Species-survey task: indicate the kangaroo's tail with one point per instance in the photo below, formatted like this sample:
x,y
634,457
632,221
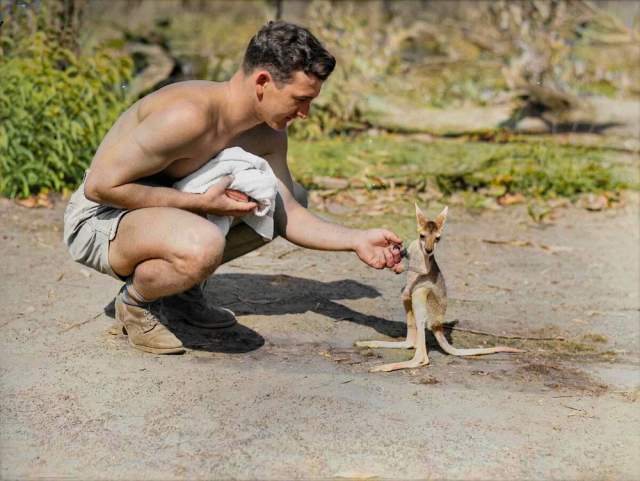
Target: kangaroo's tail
x,y
438,332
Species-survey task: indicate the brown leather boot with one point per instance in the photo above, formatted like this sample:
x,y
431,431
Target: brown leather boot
x,y
144,329
191,307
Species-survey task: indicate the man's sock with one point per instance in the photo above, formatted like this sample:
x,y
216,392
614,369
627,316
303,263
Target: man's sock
x,y
131,296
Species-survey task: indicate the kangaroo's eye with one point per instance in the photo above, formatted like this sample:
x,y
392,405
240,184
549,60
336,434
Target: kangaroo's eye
x,y
437,239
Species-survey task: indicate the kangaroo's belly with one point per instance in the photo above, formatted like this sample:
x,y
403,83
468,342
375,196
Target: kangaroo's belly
x,y
429,304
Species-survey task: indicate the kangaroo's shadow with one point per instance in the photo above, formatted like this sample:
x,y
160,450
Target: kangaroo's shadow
x,y
273,295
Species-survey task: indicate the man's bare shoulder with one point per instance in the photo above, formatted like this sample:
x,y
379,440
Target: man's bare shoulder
x,y
190,104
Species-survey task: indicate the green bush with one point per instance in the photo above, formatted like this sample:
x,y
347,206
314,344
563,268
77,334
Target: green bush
x,y
55,108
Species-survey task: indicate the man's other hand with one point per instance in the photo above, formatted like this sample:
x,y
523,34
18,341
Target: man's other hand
x,y
375,247
216,200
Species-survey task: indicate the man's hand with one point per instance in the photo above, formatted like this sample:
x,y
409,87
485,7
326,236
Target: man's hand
x,y
376,248
217,201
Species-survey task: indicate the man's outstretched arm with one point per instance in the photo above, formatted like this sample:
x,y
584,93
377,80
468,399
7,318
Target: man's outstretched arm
x,y
373,246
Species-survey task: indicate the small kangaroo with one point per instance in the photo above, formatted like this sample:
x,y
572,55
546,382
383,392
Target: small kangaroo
x,y
425,300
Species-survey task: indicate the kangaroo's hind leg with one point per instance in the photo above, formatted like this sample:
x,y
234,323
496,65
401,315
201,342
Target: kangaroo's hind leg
x,y
419,310
409,342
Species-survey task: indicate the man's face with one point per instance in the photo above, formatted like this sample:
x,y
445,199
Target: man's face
x,y
279,106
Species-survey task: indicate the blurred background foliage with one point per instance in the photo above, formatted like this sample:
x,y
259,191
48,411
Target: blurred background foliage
x,y
69,67
55,103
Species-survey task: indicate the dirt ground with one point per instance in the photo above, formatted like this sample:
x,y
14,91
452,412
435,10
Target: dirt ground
x,y
286,395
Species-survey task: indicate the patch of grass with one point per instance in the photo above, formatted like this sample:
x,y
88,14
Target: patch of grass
x,y
599,87
595,338
387,173
533,169
470,340
583,348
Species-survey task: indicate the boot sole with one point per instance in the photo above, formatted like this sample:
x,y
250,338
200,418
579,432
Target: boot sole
x,y
153,350
210,326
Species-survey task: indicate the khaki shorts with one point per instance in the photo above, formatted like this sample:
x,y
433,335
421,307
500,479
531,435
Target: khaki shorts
x,y
90,227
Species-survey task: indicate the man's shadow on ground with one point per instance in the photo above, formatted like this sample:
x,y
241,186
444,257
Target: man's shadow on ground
x,y
272,295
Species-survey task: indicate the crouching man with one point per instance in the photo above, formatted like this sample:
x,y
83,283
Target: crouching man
x,y
126,220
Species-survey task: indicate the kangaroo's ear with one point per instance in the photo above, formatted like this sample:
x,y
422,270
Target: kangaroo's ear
x,y
442,218
421,219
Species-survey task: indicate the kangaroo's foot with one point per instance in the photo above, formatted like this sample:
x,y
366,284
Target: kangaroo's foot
x,y
417,361
407,344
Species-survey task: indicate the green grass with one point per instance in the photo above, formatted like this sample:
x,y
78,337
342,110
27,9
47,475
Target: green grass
x,y
542,170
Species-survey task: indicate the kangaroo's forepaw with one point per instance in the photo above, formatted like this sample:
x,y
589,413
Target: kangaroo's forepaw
x,y
399,365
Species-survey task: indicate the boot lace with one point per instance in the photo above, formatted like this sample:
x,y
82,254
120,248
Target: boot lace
x,y
151,318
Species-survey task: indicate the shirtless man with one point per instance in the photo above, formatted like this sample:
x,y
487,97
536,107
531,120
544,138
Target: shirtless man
x,y
126,221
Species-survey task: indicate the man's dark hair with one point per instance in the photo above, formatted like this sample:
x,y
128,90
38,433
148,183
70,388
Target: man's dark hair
x,y
283,48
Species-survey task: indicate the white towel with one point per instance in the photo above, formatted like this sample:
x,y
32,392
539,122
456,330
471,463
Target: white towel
x,y
252,175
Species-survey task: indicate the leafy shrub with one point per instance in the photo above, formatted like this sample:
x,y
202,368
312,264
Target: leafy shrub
x,y
55,108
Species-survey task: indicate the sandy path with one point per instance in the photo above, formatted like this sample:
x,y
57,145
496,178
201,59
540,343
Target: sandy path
x,y
284,395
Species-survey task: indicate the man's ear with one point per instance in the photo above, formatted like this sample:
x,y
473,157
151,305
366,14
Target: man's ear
x,y
262,79
421,219
442,217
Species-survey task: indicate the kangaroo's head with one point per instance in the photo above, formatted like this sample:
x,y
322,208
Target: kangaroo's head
x,y
430,230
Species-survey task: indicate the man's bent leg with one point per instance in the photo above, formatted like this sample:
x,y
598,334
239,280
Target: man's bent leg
x,y
191,306
164,251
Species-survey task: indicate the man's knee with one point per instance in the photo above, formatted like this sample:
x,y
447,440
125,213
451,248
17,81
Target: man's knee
x,y
201,254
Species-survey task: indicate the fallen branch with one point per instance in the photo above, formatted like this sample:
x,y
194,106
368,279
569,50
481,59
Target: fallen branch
x,y
550,249
79,324
159,67
579,412
508,289
515,242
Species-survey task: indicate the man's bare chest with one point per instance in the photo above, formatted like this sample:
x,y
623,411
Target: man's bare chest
x,y
194,158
